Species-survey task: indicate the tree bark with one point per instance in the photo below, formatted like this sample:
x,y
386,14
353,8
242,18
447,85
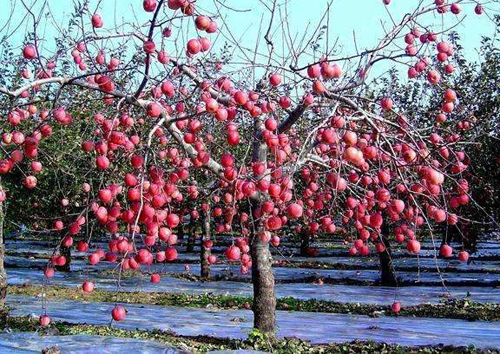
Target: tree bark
x,y
264,299
204,251
3,274
180,232
387,272
304,243
191,236
470,235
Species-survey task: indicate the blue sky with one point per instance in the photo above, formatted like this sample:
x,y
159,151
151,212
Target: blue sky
x,y
364,18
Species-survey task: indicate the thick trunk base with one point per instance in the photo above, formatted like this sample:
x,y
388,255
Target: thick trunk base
x,y
264,300
387,272
387,275
305,243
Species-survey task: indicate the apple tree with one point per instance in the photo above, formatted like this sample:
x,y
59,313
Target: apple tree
x,y
257,139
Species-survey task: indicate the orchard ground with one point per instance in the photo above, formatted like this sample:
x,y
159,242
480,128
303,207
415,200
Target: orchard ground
x,y
346,308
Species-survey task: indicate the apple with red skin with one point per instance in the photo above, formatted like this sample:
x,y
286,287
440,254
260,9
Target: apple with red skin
x,y
194,46
67,241
314,71
58,225
30,52
88,287
233,253
413,246
275,79
455,8
155,278
386,103
102,163
149,5
170,254
396,307
295,211
202,23
446,251
463,256
94,258
44,320
97,21
82,246
30,182
49,272
149,47
119,313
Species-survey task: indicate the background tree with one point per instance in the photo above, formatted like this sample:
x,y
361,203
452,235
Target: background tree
x,y
476,85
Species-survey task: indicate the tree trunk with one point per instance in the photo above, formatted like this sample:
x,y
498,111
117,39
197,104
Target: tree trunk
x,y
191,236
470,235
304,243
205,252
387,271
3,274
264,299
66,252
180,232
